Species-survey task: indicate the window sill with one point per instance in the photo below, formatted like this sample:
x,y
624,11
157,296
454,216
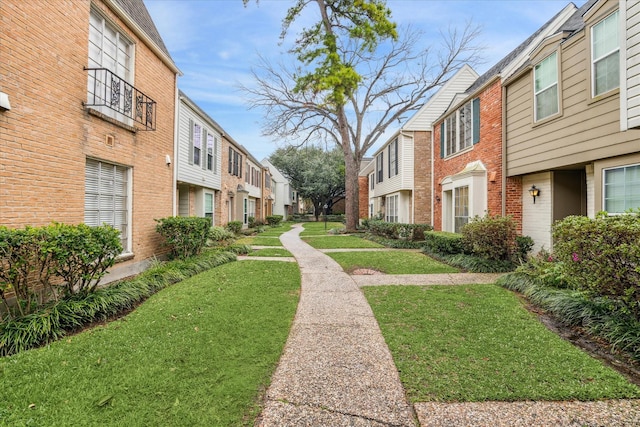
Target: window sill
x,y
546,120
595,99
458,153
111,120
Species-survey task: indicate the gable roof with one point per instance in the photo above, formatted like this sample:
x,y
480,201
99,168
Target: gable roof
x,y
138,15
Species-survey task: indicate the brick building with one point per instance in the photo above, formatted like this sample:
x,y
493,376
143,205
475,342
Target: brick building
x,y
468,167
89,134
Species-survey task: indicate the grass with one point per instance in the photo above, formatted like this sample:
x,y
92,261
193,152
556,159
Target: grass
x,y
391,262
478,343
340,242
271,252
197,353
318,228
277,230
260,241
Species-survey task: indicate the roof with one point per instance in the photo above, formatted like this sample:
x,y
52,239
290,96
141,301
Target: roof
x,y
140,15
576,22
500,65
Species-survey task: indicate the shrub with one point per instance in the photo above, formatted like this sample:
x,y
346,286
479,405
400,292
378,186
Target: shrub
x,y
394,243
602,256
274,220
443,242
234,226
185,236
220,235
524,245
251,221
40,263
396,230
491,237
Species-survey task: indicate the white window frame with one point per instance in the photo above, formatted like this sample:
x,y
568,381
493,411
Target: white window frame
x,y
393,158
372,181
120,61
104,204
197,143
209,209
539,92
459,129
605,55
380,167
212,143
391,208
460,211
606,186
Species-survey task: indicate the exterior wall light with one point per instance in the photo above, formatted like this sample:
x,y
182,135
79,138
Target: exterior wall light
x,y
534,192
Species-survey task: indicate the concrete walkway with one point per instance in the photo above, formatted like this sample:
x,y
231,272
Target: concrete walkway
x,y
336,369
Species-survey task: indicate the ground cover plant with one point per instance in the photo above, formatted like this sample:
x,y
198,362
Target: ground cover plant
x,y
391,262
340,242
196,353
478,343
271,252
320,228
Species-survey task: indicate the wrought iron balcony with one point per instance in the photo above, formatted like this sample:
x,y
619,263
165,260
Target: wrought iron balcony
x,y
118,99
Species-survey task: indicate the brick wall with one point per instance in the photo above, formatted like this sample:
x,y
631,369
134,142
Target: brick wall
x,y
47,136
422,177
230,186
488,150
363,197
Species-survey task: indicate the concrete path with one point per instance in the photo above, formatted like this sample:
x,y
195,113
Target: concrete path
x,y
336,369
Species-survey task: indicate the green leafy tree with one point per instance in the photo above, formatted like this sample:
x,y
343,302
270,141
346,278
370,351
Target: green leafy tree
x,y
354,77
316,174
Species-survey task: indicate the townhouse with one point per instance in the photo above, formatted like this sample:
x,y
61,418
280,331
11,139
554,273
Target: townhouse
x,y
571,120
399,175
199,162
87,118
468,178
282,194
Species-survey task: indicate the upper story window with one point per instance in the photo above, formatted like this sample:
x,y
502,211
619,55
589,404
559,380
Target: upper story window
x,y
546,87
380,167
235,163
393,158
461,129
212,145
605,55
267,180
372,181
197,144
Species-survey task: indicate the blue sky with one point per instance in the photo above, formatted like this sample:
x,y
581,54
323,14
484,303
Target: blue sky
x,y
215,43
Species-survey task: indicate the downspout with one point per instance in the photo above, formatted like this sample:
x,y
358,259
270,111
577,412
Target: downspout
x,y
432,178
504,151
413,178
176,127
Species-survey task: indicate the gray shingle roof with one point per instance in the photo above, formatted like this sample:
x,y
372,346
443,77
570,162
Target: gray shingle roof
x,y
498,67
140,15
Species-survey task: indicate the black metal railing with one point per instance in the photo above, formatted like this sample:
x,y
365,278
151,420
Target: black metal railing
x,y
118,99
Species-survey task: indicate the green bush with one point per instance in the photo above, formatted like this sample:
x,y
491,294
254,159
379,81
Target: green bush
x,y
396,230
251,221
394,243
443,242
38,264
185,236
58,318
524,245
234,226
220,235
602,256
491,237
274,220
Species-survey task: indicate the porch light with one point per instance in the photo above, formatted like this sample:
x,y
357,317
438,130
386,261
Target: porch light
x,y
534,192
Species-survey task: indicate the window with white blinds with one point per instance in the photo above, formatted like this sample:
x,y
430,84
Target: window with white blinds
x,y
110,49
106,197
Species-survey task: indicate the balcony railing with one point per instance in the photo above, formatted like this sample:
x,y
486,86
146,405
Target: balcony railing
x,y
118,99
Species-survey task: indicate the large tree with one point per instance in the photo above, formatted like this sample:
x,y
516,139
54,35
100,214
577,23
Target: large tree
x,y
353,78
316,174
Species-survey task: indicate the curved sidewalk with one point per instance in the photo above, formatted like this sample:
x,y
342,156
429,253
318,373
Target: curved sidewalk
x,y
336,369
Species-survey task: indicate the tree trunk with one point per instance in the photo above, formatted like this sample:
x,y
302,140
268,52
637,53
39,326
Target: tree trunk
x,y
351,208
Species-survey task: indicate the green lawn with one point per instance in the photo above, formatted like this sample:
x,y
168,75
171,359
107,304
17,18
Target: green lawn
x,y
260,241
197,353
318,228
391,262
478,343
277,230
271,252
340,242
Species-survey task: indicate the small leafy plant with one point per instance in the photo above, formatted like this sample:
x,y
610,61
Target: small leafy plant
x,y
185,236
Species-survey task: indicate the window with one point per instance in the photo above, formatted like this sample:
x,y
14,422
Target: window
x,y
197,143
605,55
267,180
245,218
621,189
461,129
461,208
546,87
393,158
370,210
212,143
110,49
208,206
252,208
106,197
235,163
391,208
372,181
380,167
